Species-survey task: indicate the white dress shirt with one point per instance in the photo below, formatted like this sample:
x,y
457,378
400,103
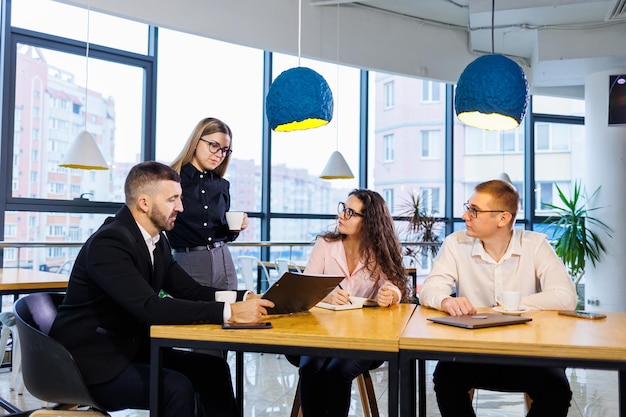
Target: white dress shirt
x,y
529,265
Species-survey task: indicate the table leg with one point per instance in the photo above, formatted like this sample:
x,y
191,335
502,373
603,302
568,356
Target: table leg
x,y
421,370
156,357
407,384
393,388
621,392
239,381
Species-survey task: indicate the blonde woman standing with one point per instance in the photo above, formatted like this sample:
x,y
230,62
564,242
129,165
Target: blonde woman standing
x,y
201,232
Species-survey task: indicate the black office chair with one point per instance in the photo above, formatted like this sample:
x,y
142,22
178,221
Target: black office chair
x,y
49,370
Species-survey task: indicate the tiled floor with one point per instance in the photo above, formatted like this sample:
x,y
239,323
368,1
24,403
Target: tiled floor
x,y
270,384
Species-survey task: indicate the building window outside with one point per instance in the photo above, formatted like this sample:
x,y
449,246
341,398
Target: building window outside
x,y
389,198
388,146
431,144
431,91
389,91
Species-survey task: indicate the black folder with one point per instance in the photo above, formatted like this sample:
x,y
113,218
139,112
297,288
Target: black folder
x,y
294,292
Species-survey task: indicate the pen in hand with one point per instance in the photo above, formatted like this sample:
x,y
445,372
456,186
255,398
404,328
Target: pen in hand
x,y
341,288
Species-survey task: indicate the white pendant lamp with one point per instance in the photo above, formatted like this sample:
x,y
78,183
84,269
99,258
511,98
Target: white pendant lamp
x,y
337,167
84,152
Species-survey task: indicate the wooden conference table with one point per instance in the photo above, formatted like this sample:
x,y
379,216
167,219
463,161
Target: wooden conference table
x,y
549,340
368,333
17,281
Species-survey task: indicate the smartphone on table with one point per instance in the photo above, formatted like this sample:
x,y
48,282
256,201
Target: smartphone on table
x,y
261,325
583,314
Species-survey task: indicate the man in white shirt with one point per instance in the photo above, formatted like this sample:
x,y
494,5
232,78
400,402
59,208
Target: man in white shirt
x,y
489,257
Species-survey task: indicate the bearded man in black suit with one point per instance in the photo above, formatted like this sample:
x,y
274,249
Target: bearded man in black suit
x,y
113,297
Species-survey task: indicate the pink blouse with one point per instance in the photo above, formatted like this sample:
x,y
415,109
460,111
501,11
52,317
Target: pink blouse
x,y
330,258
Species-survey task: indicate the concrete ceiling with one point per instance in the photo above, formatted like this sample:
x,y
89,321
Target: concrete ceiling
x,y
556,42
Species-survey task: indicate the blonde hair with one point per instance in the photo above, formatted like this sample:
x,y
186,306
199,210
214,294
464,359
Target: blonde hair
x,y
204,127
504,194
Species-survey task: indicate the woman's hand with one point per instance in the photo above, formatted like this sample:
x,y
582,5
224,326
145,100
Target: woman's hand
x,y
386,297
244,223
338,296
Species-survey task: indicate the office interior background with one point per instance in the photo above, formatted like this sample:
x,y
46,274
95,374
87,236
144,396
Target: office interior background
x,y
140,85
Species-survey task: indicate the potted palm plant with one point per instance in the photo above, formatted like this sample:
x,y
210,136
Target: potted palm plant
x,y
574,241
422,226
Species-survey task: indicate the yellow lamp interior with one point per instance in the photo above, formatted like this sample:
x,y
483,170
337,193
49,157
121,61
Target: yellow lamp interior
x,y
301,125
491,121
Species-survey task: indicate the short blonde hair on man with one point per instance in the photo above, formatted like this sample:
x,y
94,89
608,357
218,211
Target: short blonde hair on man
x,y
503,193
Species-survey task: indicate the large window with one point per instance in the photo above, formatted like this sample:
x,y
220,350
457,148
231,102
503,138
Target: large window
x,y
399,144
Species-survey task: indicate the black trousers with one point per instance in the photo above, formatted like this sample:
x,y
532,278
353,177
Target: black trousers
x,y
325,383
547,387
192,384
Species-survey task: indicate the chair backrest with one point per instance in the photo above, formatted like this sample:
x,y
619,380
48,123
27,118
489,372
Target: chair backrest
x,y
285,265
66,267
248,267
409,261
49,370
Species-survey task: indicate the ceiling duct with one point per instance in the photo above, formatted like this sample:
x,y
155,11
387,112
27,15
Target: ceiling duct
x,y
618,11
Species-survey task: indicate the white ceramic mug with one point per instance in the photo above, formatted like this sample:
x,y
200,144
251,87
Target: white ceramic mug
x,y
235,220
226,296
509,300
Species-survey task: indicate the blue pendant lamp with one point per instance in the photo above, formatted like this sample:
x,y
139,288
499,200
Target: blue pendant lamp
x,y
299,98
492,92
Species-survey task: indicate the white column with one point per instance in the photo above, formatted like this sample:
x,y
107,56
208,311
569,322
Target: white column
x,y
604,154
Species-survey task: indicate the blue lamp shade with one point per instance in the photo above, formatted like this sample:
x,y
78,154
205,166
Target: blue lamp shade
x,y
492,93
298,99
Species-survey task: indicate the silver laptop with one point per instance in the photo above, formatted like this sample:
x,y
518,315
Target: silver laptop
x,y
480,320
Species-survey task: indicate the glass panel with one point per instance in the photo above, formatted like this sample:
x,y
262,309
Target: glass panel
x,y
558,105
299,157
47,227
417,127
481,155
294,231
52,107
223,81
557,162
67,21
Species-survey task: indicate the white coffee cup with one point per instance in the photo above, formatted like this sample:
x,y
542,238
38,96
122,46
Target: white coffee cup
x,y
226,296
509,300
235,220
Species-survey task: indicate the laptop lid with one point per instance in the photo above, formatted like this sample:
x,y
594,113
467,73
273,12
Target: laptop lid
x,y
294,292
481,320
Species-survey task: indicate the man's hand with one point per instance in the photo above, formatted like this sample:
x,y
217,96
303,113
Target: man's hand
x,y
457,306
249,311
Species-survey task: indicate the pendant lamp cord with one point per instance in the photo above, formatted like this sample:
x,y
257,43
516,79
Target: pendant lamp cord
x,y
299,28
337,98
87,65
493,13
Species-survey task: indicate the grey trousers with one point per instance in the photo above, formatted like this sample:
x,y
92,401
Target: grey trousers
x,y
213,268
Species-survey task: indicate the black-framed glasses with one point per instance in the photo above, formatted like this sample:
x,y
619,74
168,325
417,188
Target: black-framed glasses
x,y
214,148
473,211
347,212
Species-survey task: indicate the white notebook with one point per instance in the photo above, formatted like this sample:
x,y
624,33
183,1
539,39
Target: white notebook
x,y
357,302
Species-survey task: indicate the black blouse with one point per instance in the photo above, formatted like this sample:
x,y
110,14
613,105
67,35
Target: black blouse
x,y
206,197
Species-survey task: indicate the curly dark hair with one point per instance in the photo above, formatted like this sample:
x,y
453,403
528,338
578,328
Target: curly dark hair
x,y
380,246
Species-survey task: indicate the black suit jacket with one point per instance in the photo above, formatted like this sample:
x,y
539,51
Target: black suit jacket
x,y
113,297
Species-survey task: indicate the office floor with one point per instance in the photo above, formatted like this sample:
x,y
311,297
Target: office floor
x,y
270,383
